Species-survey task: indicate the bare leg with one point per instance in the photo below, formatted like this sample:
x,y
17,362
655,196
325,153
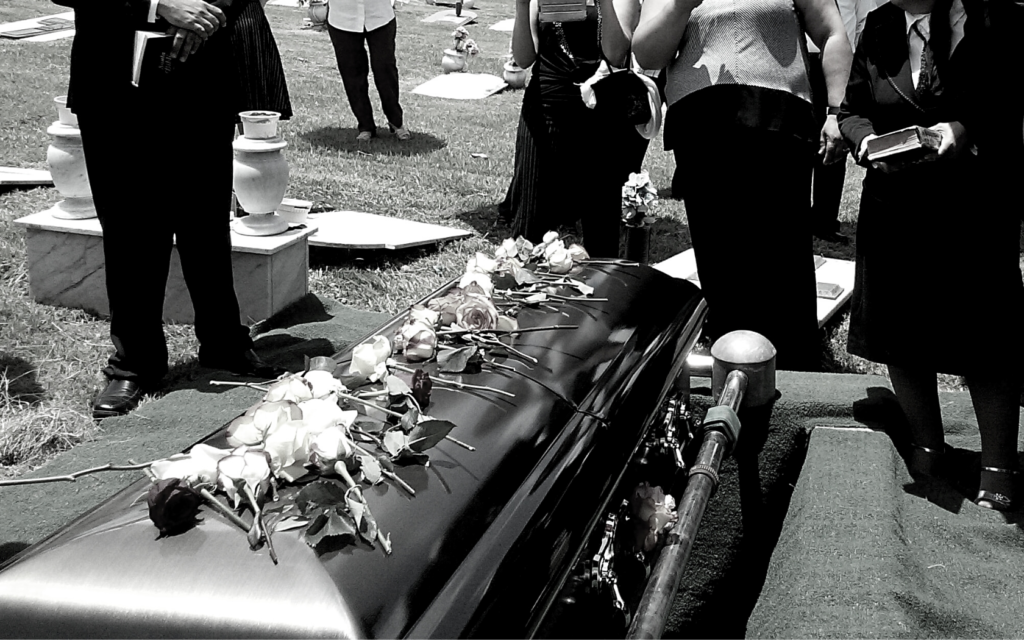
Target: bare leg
x,y
918,395
997,409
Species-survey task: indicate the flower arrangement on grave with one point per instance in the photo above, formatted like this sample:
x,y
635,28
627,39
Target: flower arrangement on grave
x,y
302,456
463,43
638,198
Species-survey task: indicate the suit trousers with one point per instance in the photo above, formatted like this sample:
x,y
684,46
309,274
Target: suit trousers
x,y
350,50
154,188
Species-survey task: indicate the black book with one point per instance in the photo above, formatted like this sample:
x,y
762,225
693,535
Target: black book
x,y
910,144
152,60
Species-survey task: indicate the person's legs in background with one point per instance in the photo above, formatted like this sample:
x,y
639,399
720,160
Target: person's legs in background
x,y
828,179
355,70
381,43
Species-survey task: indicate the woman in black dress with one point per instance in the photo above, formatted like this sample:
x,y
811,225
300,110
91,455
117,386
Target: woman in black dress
x,y
571,161
938,287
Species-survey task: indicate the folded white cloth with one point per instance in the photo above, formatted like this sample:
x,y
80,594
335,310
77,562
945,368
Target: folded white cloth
x,y
653,126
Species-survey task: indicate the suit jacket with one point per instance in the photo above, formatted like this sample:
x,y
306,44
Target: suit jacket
x,y
101,58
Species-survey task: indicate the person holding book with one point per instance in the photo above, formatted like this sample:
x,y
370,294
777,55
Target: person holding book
x,y
741,124
354,27
159,159
572,160
937,261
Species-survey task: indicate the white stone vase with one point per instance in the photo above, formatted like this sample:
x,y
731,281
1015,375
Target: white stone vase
x,y
317,11
514,75
66,158
260,181
64,115
259,125
452,61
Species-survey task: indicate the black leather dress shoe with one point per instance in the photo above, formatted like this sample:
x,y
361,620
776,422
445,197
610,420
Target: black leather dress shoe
x,y
248,365
119,398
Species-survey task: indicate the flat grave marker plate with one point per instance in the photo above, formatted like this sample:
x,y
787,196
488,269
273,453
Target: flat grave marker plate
x,y
447,16
358,230
14,176
42,29
504,25
461,86
834,279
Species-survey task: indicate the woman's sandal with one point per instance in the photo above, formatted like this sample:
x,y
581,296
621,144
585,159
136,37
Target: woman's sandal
x,y
925,462
1002,499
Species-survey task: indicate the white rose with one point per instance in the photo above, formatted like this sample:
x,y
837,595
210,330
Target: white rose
x,y
550,237
476,313
244,468
287,450
260,421
329,447
479,283
560,261
292,388
368,357
322,413
198,466
578,253
322,384
420,341
424,315
481,263
508,249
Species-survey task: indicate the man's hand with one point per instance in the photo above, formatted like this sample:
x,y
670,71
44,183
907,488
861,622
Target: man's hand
x,y
194,15
222,4
954,139
832,145
185,42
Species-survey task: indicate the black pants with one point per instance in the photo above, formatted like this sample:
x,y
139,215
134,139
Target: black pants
x,y
827,189
350,51
150,190
745,193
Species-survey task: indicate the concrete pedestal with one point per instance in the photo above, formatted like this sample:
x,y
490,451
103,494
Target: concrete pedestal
x,y
66,269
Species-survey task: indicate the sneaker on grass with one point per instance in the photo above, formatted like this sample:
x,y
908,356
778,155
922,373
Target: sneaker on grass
x,y
401,132
364,136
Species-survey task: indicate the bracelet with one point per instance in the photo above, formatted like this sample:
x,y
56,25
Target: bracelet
x,y
832,111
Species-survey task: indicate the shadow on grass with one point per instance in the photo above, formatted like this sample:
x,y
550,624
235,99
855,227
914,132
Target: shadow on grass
x,y
344,139
368,258
18,380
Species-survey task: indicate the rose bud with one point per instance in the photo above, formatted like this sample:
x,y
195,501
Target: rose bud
x,y
550,237
476,314
292,388
421,386
481,263
420,342
426,316
366,356
477,283
322,384
508,249
173,506
198,466
244,467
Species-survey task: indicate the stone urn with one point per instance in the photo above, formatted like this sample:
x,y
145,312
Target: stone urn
x,y
317,11
453,60
260,181
514,75
67,166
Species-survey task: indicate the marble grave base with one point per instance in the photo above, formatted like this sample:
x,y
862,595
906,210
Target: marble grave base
x,y
66,269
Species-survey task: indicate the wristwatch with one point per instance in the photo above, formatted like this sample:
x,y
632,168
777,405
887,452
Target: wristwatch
x,y
833,111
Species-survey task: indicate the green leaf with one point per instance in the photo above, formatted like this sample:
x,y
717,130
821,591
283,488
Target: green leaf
x,y
370,468
397,387
409,420
395,441
335,524
428,433
322,493
287,524
455,360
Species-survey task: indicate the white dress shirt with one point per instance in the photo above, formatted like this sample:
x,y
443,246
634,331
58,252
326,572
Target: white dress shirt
x,y
957,18
359,15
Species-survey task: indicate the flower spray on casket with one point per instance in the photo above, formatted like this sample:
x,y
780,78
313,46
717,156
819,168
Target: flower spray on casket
x,y
301,456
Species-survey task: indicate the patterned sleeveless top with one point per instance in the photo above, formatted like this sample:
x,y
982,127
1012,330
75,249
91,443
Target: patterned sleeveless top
x,y
757,43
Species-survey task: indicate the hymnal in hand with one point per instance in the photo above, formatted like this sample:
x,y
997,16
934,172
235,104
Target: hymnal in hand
x,y
910,144
153,59
562,10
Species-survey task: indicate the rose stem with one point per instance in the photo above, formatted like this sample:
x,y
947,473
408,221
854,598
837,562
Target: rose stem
x,y
258,521
227,383
370,404
460,443
498,343
553,295
457,385
387,474
224,510
373,394
510,332
71,477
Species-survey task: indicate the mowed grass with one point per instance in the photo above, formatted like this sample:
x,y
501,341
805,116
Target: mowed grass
x,y
50,357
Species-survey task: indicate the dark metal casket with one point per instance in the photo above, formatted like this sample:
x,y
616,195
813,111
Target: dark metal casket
x,y
481,550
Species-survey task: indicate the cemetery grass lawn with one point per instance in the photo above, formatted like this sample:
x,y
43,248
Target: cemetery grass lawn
x,y
50,357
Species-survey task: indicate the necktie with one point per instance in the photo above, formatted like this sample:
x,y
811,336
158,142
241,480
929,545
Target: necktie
x,y
924,80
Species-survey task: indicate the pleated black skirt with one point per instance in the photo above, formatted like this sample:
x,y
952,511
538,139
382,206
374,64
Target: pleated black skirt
x,y
260,75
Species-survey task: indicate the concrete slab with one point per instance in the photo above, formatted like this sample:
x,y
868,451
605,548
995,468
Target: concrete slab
x,y
504,25
461,86
13,176
358,230
42,29
828,272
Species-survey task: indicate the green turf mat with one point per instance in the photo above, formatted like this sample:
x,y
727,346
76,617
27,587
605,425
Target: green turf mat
x,y
867,553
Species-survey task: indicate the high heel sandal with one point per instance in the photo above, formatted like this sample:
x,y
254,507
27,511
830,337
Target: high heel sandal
x,y
925,462
997,500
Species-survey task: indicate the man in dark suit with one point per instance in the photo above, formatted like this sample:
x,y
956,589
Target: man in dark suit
x,y
160,164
